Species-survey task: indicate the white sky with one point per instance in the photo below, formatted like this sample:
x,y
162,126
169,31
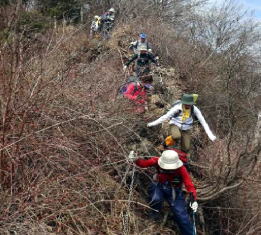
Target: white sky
x,y
251,5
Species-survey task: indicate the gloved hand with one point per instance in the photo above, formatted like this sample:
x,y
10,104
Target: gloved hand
x,y
194,206
125,68
132,156
212,138
149,124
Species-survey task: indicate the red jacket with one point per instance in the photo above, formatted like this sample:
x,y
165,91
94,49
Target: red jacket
x,y
163,177
136,92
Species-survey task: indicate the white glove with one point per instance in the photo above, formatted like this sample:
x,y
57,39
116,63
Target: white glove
x,y
124,68
149,124
132,156
212,138
194,206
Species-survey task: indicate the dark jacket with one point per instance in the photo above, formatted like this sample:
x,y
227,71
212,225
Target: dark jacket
x,y
142,59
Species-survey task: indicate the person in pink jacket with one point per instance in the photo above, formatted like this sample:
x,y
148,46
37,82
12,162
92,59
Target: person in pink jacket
x,y
136,92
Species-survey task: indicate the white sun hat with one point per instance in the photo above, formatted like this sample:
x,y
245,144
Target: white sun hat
x,y
169,160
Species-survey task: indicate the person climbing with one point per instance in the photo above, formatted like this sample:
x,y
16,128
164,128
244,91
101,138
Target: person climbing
x,y
143,60
181,117
136,91
95,26
109,15
167,185
107,22
142,42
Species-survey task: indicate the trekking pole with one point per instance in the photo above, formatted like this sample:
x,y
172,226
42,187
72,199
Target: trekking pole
x,y
193,216
194,224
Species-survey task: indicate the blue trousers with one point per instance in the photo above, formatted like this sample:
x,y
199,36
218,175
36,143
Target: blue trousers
x,y
159,192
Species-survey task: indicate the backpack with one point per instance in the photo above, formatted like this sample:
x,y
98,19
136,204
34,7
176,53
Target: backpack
x,y
177,179
123,88
194,117
137,44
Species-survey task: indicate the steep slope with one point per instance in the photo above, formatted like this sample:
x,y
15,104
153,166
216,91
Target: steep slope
x,y
66,135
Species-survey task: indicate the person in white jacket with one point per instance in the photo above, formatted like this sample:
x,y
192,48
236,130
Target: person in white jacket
x,y
180,118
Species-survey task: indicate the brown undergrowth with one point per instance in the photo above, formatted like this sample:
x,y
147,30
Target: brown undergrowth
x,y
64,140
66,134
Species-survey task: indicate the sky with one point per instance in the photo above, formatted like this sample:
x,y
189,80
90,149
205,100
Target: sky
x,y
251,5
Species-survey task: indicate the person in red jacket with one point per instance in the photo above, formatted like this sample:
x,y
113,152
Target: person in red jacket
x,y
136,92
168,186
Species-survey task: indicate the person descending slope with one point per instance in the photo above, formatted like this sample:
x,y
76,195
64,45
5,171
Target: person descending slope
x,y
136,91
143,60
109,16
107,22
181,117
141,43
167,186
95,26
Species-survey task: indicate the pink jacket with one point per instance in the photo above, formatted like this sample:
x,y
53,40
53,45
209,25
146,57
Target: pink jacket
x,y
136,93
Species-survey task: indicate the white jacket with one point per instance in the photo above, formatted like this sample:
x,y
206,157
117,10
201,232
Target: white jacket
x,y
183,125
95,25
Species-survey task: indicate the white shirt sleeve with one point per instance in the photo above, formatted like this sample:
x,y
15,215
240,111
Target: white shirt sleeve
x,y
165,117
203,122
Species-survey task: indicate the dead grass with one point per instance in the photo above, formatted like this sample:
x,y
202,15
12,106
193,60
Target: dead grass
x,y
66,133
64,142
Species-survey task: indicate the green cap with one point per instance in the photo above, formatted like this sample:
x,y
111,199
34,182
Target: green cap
x,y
187,99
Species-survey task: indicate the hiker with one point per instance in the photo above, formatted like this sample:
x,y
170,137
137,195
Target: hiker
x,y
141,43
95,26
181,117
107,22
143,59
137,91
167,185
109,15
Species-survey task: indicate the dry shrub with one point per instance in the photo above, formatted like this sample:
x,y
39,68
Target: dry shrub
x,y
65,133
228,186
64,140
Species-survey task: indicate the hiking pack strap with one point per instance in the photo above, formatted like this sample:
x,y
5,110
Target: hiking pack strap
x,y
138,43
176,181
194,117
